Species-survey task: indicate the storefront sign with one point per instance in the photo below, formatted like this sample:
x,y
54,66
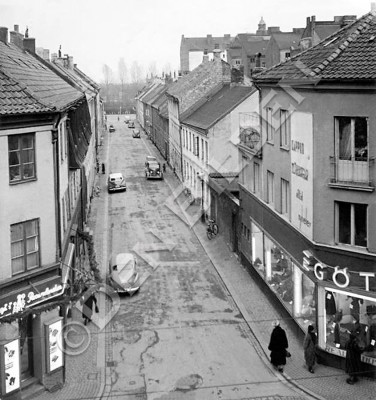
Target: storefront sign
x,y
11,366
301,173
32,294
341,277
54,345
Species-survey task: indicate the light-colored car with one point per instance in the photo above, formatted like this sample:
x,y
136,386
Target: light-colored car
x,y
116,182
123,276
131,124
150,158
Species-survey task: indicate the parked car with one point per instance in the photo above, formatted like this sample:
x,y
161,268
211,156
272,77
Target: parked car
x,y
123,275
136,133
150,158
116,182
111,128
153,170
131,124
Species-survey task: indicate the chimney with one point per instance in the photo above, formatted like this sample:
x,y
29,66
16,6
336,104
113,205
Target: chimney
x,y
29,44
70,62
53,57
16,28
3,34
217,53
205,58
46,54
16,37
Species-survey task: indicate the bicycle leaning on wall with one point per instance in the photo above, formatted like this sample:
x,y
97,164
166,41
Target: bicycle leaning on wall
x,y
212,229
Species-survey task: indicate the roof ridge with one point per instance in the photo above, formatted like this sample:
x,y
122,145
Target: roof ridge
x,y
353,36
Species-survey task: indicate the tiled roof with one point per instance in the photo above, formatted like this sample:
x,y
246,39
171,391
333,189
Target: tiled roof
x,y
285,40
252,44
200,43
153,94
192,87
219,105
15,99
348,54
41,83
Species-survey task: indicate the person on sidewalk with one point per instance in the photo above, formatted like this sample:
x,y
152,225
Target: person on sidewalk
x,y
87,308
309,346
278,346
353,358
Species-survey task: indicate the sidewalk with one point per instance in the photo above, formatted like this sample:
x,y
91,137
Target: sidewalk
x,y
258,311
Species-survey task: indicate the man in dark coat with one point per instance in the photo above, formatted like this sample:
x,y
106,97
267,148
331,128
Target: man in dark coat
x,y
278,345
353,358
89,300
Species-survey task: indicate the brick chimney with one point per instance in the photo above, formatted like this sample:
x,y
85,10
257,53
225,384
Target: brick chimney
x,y
4,34
16,37
217,53
53,57
29,44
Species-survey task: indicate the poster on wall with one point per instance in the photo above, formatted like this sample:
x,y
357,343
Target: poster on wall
x,y
11,365
301,172
54,345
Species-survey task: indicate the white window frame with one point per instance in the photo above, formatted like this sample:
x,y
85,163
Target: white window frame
x,y
270,188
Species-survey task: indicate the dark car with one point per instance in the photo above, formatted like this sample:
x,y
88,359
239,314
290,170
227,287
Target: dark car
x,y
131,124
111,128
136,133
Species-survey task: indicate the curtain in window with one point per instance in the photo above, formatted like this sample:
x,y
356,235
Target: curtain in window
x,y
345,138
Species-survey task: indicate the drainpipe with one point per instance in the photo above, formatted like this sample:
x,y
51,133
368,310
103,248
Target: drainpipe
x,y
55,143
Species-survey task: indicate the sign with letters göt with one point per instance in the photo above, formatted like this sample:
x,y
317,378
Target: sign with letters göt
x,y
301,172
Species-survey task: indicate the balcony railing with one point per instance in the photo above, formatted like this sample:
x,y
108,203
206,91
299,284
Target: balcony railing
x,y
352,173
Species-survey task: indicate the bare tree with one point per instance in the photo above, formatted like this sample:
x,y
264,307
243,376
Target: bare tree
x,y
153,69
123,74
108,76
136,72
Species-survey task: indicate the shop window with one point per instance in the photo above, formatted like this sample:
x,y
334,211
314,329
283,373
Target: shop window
x,y
24,246
351,224
21,154
279,274
257,239
345,313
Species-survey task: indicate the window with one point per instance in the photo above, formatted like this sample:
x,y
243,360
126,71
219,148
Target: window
x,y
270,188
190,141
287,55
351,224
269,125
24,246
256,178
206,153
202,149
284,129
285,197
352,149
216,46
197,146
21,157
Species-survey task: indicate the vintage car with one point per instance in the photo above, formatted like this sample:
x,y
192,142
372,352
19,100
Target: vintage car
x,y
131,124
123,275
116,182
136,133
153,170
111,128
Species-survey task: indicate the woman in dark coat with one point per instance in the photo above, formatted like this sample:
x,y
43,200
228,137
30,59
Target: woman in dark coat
x,y
309,346
353,359
89,300
278,345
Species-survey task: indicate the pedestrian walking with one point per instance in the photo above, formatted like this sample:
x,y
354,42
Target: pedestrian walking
x,y
353,358
309,346
103,168
89,300
164,167
278,346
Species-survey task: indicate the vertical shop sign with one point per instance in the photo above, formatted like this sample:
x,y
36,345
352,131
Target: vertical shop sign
x,y
301,172
54,345
10,366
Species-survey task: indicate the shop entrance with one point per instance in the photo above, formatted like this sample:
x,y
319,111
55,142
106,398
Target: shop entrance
x,y
26,347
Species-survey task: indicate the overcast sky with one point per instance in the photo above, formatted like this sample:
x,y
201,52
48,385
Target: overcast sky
x,y
97,32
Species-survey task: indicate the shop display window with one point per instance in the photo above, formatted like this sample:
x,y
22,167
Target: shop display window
x,y
257,238
345,313
304,299
278,268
